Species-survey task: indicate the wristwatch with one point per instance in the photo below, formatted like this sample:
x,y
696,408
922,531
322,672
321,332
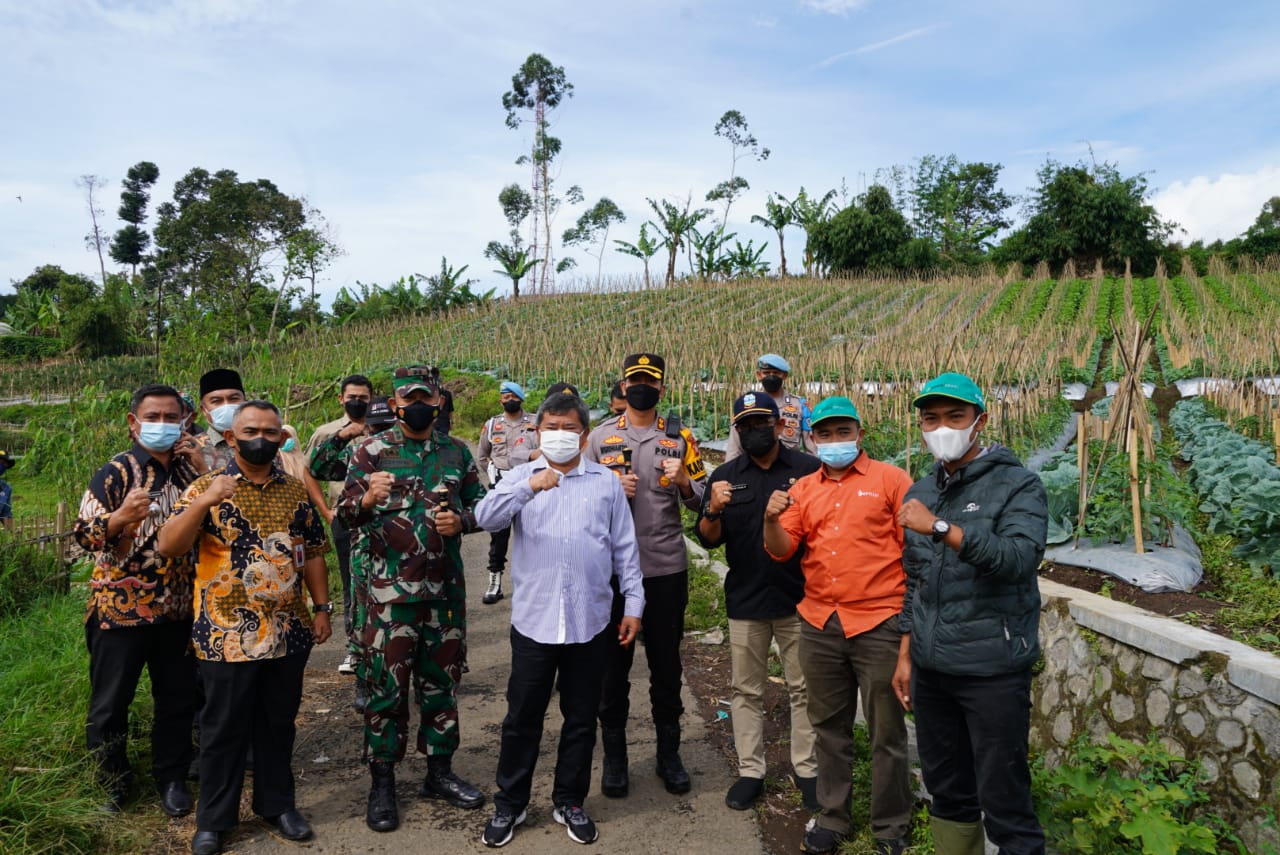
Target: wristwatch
x,y
711,516
940,529
322,607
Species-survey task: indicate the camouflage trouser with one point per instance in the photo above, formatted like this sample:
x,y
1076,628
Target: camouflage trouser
x,y
418,642
359,615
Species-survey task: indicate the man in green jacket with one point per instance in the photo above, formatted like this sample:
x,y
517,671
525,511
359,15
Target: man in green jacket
x,y
975,535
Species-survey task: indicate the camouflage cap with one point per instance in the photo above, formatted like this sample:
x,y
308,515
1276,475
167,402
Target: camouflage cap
x,y
413,377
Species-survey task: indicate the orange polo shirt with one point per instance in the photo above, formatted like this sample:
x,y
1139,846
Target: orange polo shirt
x,y
852,561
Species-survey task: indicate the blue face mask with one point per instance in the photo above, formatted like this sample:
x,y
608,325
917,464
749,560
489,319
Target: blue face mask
x,y
158,436
289,444
838,455
220,418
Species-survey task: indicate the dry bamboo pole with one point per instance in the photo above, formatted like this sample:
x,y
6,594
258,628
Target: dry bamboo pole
x,y
59,526
1275,435
1082,461
1134,495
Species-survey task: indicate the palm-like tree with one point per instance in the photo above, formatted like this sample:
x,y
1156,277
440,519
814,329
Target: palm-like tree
x,y
515,261
779,213
674,224
809,213
644,249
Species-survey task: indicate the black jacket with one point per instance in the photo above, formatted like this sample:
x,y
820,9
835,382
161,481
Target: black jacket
x,y
977,611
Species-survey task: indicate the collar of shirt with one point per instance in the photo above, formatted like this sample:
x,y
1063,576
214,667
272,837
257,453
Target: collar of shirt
x,y
543,463
277,471
859,466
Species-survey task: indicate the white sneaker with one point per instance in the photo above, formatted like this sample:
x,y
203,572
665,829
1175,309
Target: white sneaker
x,y
347,665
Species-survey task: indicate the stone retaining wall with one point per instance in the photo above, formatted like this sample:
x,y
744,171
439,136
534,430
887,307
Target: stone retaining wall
x,y
1111,667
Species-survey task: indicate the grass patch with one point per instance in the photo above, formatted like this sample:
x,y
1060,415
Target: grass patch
x,y
1255,616
49,798
706,610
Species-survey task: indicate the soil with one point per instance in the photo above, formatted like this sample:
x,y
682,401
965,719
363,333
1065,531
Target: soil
x,y
1192,606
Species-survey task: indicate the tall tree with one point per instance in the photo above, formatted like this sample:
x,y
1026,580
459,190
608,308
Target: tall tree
x,y
221,242
811,213
732,127
130,244
871,234
1262,239
778,214
537,88
1086,213
593,228
644,249
673,226
96,239
959,206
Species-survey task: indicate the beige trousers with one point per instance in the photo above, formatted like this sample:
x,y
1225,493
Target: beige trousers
x,y
749,645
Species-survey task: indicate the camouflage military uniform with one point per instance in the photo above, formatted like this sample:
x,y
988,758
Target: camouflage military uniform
x,y
415,628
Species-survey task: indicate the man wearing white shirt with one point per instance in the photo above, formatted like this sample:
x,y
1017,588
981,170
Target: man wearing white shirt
x,y
572,533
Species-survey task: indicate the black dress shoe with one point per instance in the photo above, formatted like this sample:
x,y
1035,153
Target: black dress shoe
x,y
291,825
444,785
175,799
206,843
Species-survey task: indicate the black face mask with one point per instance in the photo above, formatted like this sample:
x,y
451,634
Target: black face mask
x,y
259,451
772,383
356,409
641,397
418,416
758,441
512,407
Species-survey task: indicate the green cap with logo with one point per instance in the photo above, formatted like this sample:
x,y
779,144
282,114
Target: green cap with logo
x,y
958,387
414,377
838,407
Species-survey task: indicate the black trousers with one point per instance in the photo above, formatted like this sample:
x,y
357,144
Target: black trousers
x,y
342,545
665,598
534,667
498,540
116,659
247,703
972,737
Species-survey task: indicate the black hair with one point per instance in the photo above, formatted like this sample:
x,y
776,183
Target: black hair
x,y
561,403
355,380
260,405
154,390
616,391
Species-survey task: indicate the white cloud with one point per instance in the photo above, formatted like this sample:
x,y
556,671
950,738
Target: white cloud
x,y
1222,207
834,7
880,45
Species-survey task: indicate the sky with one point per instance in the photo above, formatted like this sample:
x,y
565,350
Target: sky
x,y
387,116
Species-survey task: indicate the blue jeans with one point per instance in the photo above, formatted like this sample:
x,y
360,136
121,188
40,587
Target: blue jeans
x,y
972,737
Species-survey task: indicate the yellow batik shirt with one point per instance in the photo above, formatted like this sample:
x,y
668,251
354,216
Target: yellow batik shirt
x,y
250,601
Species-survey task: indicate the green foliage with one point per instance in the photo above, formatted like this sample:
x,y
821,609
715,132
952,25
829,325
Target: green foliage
x,y
676,225
69,443
49,800
869,235
1086,213
28,348
706,609
1061,479
958,206
1262,239
1124,797
414,294
1165,498
26,574
1236,480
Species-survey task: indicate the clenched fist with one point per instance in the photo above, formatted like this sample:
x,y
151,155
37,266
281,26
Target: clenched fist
x,y
448,523
134,508
778,502
721,493
379,489
629,482
674,470
544,479
220,489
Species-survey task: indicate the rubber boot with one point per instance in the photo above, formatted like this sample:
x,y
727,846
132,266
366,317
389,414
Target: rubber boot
x,y
957,838
382,814
614,781
670,768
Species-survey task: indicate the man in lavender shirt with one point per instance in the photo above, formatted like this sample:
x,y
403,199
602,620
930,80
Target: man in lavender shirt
x,y
572,533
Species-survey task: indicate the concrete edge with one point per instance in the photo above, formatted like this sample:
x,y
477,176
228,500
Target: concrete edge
x,y
1254,671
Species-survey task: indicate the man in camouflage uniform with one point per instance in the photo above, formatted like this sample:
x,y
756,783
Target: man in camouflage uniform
x,y
412,491
793,412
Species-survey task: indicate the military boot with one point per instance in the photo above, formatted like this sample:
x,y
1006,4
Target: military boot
x,y
442,783
494,593
670,768
614,781
382,814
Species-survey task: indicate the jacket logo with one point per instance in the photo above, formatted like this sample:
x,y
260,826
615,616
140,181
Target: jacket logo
x,y
609,440
668,443
971,507
870,493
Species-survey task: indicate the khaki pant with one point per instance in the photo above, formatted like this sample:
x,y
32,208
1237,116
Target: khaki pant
x,y
749,645
836,671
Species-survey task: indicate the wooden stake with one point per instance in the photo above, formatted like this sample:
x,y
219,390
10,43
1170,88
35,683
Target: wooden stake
x,y
1133,487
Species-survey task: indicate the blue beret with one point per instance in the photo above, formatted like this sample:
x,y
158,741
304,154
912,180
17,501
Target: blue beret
x,y
513,388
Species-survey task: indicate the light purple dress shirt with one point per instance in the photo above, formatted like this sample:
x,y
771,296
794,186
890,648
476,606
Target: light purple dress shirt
x,y
567,542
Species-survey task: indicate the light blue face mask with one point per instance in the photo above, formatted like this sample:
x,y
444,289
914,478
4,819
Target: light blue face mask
x,y
289,444
158,436
221,418
838,455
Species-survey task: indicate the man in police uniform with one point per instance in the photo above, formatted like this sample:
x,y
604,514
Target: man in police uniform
x,y
660,469
414,491
793,412
506,441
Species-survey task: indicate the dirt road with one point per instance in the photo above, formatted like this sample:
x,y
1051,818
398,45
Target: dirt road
x,y
332,786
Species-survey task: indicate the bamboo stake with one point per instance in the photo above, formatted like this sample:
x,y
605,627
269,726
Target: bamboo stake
x,y
1082,462
1133,486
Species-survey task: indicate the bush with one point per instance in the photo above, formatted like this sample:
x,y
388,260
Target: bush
x,y
26,573
28,348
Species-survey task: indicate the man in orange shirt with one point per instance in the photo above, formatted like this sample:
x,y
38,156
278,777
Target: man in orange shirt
x,y
845,515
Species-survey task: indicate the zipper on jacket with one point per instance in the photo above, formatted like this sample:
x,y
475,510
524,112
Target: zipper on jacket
x,y
1005,623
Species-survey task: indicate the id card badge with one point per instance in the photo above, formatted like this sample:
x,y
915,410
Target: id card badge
x,y
299,553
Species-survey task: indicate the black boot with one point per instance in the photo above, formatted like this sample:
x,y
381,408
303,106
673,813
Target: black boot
x,y
441,783
614,781
382,814
670,768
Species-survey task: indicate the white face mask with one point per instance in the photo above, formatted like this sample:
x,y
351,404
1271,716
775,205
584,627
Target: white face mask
x,y
221,418
560,446
948,445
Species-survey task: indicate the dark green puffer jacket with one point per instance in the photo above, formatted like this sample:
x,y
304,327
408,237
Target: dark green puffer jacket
x,y
977,611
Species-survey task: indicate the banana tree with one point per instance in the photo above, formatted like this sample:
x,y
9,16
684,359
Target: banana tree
x,y
644,249
779,213
515,261
809,214
745,262
674,226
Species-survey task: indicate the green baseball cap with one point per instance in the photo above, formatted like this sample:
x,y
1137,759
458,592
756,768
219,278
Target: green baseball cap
x,y
838,407
951,385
